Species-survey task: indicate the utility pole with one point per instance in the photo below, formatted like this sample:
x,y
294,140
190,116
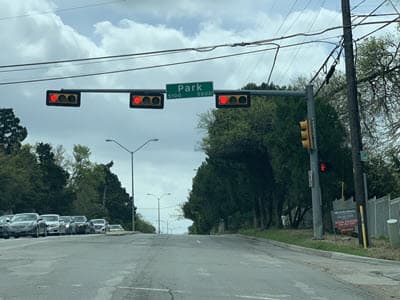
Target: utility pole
x,y
355,128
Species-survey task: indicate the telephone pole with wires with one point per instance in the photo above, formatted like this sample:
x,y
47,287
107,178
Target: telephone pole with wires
x,y
355,128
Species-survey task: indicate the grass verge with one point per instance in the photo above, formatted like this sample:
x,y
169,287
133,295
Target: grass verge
x,y
345,244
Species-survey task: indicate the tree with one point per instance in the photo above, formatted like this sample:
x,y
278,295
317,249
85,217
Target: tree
x,y
11,132
56,197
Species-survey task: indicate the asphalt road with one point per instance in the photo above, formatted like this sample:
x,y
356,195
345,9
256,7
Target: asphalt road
x,y
161,267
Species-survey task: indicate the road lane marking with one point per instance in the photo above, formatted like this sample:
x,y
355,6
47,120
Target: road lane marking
x,y
76,285
203,272
198,242
255,297
151,289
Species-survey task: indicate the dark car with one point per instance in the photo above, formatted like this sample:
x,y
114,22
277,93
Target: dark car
x,y
4,222
70,225
81,225
27,224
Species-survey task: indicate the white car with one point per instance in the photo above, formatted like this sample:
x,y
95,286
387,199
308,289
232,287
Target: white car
x,y
116,227
54,226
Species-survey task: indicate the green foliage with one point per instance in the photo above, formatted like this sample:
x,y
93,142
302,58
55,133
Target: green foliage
x,y
11,132
143,226
256,168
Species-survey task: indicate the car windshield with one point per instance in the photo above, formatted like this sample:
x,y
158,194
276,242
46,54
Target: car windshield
x,y
23,218
79,219
98,221
50,218
65,219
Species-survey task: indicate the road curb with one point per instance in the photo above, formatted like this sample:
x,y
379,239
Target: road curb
x,y
328,254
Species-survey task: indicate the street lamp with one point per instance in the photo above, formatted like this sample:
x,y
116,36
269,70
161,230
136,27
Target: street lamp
x,y
158,200
131,153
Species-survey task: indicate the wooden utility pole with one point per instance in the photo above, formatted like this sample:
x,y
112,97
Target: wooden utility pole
x,y
355,128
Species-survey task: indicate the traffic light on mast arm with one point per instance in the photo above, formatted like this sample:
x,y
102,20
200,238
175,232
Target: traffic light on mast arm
x,y
146,100
306,134
232,100
60,98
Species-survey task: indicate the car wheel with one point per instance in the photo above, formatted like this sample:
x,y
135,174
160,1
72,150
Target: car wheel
x,y
16,236
36,234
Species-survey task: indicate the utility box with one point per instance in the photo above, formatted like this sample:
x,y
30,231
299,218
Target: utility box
x,y
394,234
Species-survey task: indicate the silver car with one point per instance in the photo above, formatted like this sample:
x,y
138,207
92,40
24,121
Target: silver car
x,y
27,224
99,225
54,226
70,226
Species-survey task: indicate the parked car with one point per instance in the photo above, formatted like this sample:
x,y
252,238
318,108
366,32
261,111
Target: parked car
x,y
4,222
81,225
98,225
27,224
116,227
54,226
70,226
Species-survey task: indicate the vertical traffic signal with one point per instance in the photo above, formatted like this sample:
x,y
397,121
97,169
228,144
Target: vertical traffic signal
x,y
59,98
232,99
306,134
146,100
322,167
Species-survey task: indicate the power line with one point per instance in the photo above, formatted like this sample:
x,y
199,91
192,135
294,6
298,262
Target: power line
x,y
198,49
152,66
60,10
357,5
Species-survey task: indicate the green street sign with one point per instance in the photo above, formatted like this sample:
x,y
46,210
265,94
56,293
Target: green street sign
x,y
190,90
363,156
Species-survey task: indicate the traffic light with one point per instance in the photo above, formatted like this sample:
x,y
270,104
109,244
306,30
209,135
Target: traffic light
x,y
59,98
232,99
306,134
325,167
146,100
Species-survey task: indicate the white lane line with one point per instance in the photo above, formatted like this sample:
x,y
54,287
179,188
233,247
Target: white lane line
x,y
150,289
198,242
203,272
76,285
255,297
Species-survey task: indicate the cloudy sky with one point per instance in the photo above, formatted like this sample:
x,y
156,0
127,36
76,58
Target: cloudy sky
x,y
44,30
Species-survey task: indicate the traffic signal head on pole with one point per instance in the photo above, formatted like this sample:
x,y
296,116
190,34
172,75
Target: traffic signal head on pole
x,y
146,100
306,134
232,100
60,98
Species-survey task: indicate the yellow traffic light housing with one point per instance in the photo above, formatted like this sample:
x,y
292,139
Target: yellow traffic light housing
x,y
306,134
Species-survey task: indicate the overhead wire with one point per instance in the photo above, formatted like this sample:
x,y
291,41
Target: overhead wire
x,y
60,10
198,49
332,69
308,30
13,82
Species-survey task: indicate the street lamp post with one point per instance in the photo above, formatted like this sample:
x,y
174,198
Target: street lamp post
x,y
131,153
158,206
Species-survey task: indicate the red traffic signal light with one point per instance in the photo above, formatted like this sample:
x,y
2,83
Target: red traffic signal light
x,y
146,100
59,98
232,99
322,167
